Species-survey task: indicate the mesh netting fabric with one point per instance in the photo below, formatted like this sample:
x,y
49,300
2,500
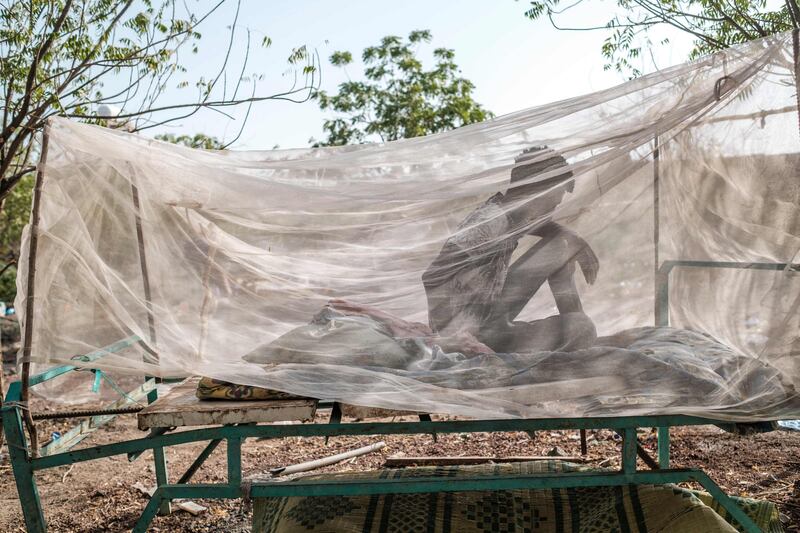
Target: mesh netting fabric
x,y
624,252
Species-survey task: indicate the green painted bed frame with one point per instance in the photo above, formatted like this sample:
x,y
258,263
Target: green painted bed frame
x,y
25,465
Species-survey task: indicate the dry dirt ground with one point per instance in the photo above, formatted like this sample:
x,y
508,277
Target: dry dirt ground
x,y
99,496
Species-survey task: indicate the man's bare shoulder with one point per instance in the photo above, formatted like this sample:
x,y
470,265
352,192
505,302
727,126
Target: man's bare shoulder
x,y
484,225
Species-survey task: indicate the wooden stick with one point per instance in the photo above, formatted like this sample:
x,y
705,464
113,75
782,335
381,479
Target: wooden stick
x,y
325,461
208,297
29,293
472,460
2,391
656,228
151,325
796,58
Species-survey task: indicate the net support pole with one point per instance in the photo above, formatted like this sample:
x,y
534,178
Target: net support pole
x,y
148,298
30,293
659,312
148,301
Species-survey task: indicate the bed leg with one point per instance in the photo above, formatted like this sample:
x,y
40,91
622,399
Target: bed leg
x,y
336,417
23,470
726,502
150,511
234,462
425,417
160,458
663,447
629,442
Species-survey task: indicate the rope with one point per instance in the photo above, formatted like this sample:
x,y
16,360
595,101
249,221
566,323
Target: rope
x,y
22,406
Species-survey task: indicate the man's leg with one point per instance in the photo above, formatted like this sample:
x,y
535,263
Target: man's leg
x,y
565,293
558,333
549,260
546,259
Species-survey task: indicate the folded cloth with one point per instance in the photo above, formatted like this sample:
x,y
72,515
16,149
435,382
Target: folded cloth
x,y
215,389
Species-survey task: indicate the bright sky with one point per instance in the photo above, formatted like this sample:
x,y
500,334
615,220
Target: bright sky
x,y
514,63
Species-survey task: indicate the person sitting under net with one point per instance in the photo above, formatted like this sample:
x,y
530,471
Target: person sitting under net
x,y
473,288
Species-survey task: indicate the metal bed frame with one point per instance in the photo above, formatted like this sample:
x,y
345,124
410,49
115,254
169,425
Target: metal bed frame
x,y
25,464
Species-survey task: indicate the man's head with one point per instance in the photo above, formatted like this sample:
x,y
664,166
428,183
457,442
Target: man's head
x,y
536,170
537,183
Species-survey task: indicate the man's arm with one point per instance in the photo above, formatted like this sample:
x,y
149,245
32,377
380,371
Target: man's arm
x,y
565,293
579,249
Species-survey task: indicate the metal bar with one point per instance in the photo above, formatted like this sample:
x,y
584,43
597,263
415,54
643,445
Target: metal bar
x,y
642,453
663,272
159,456
335,418
234,461
362,487
726,502
584,445
160,459
30,291
426,417
91,413
629,442
195,466
149,512
370,428
87,358
132,456
667,266
13,392
336,414
353,487
87,427
663,447
23,470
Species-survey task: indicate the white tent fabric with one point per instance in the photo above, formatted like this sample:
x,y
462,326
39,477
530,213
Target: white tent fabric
x,y
625,252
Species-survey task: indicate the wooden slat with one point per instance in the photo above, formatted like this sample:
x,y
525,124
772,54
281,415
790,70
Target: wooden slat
x,y
180,407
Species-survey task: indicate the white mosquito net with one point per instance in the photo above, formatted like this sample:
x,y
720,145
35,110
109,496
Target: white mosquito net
x,y
626,252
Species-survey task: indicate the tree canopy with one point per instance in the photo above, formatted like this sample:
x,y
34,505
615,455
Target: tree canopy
x,y
76,58
198,140
713,24
398,96
13,217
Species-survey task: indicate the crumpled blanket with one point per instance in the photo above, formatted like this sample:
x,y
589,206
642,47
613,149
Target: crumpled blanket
x,y
366,357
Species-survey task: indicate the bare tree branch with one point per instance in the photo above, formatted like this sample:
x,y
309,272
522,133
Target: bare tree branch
x,y
45,46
